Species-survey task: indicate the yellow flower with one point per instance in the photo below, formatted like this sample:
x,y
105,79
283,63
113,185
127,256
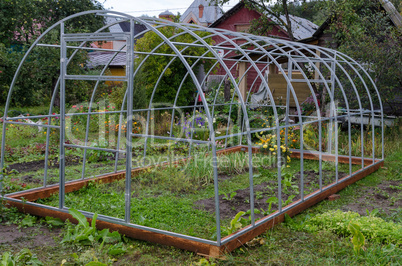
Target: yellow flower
x,y
288,166
274,153
265,146
275,146
271,149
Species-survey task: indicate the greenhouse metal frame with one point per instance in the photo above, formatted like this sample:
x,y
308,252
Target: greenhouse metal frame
x,y
338,74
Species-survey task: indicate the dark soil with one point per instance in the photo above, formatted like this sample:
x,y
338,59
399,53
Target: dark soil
x,y
262,192
40,164
383,197
31,237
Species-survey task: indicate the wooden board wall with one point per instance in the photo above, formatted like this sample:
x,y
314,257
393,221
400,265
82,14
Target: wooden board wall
x,y
278,86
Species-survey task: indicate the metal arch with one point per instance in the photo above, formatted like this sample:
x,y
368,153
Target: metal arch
x,y
243,105
379,99
212,132
358,97
299,114
12,88
243,102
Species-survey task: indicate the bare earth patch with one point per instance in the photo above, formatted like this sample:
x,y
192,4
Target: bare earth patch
x,y
384,197
14,238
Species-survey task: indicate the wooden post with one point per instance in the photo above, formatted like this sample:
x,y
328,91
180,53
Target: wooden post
x,y
243,81
272,69
226,91
317,65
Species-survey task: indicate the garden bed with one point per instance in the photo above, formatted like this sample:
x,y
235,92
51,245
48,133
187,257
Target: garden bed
x,y
170,199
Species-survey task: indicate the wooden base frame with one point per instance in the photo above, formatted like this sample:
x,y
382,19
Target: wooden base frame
x,y
23,202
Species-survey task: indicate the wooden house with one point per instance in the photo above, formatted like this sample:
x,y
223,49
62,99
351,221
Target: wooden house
x,y
238,19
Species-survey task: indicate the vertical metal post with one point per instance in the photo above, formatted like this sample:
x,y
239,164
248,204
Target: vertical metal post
x,y
216,190
290,68
3,144
331,123
63,72
129,142
334,116
278,144
373,133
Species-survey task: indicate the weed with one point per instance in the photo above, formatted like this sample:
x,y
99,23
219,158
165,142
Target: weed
x,y
373,228
229,196
24,257
234,225
357,239
270,201
28,221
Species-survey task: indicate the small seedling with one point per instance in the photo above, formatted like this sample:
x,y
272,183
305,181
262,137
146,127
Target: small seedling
x,y
259,195
270,201
373,213
229,196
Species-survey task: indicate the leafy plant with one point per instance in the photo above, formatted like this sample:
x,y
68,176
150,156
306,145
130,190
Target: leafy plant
x,y
287,182
28,221
270,201
235,224
373,228
99,155
357,239
229,196
24,257
54,221
85,234
203,262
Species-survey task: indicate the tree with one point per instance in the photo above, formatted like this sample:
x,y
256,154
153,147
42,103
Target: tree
x,y
364,31
21,22
172,77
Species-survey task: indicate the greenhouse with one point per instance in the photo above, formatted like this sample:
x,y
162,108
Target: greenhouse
x,y
166,150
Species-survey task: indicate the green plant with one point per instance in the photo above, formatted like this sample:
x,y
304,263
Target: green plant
x,y
203,262
234,225
287,182
53,222
99,155
373,228
85,234
24,257
259,195
270,201
229,196
357,239
373,213
28,221
288,201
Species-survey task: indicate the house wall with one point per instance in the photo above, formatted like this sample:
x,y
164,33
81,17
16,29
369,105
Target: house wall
x,y
240,21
